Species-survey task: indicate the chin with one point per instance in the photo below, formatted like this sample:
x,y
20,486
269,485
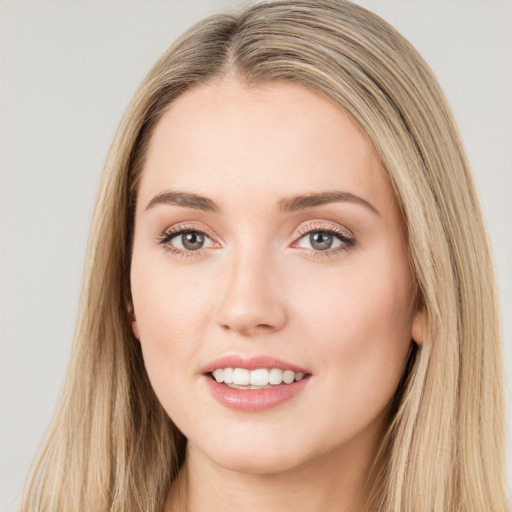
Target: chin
x,y
257,458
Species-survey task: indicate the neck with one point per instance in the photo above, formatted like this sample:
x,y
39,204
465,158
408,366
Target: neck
x,y
340,481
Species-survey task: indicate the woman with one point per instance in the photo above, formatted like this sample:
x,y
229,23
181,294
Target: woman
x,y
288,298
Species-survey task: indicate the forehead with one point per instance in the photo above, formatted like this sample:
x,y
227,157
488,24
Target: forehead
x,y
230,141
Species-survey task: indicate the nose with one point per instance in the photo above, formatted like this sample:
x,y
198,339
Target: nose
x,y
252,296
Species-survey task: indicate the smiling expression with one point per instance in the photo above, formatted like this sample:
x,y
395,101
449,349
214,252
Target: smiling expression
x,y
267,237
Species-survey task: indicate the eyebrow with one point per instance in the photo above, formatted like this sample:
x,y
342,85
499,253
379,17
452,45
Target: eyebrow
x,y
286,205
302,202
184,199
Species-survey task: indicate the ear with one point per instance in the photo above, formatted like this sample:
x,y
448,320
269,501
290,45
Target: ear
x,y
419,326
135,327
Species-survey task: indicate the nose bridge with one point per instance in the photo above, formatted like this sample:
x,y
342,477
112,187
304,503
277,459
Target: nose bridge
x,y
251,300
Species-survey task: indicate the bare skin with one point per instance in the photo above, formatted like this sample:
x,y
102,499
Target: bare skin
x,y
256,281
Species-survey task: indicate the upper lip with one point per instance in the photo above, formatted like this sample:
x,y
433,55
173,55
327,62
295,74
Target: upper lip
x,y
251,363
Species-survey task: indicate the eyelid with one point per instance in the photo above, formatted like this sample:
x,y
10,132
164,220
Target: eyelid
x,y
318,225
181,227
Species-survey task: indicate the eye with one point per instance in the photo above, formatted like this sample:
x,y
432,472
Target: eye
x,y
327,239
189,240
320,241
184,240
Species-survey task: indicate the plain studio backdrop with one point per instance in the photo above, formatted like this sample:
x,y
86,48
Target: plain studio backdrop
x,y
67,72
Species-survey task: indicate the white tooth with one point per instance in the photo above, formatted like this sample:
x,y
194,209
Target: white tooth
x,y
228,375
288,376
241,376
298,376
275,376
218,375
259,377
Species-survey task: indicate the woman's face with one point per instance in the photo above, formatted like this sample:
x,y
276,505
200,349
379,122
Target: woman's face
x,y
267,238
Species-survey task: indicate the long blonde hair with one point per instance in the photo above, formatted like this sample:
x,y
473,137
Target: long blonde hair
x,y
111,446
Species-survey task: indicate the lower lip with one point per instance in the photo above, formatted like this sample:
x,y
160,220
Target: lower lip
x,y
254,400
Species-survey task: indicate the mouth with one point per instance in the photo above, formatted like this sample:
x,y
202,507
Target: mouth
x,y
259,378
254,384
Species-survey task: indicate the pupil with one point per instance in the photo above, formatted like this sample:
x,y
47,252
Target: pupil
x,y
320,240
192,240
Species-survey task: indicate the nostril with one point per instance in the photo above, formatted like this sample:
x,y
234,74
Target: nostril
x,y
247,329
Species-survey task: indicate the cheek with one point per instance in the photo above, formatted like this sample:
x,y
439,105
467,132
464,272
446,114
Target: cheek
x,y
170,309
169,304
362,330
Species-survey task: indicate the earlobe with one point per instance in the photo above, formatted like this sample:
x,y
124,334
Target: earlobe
x,y
135,327
418,326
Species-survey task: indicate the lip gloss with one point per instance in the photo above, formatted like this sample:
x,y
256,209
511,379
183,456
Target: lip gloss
x,y
254,400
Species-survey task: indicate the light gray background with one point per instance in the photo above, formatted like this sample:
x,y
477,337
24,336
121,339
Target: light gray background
x,y
67,72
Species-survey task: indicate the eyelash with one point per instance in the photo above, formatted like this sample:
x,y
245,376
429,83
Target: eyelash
x,y
347,241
